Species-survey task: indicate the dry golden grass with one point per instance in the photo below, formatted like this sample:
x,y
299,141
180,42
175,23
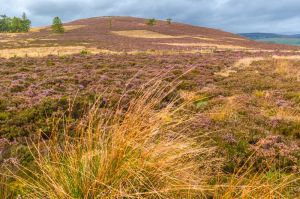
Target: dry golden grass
x,y
38,29
225,73
171,52
240,64
47,39
188,95
141,152
235,38
266,185
284,67
247,61
56,49
144,34
6,40
281,66
291,57
225,111
260,94
205,38
39,51
67,28
260,50
288,115
73,27
31,39
5,191
218,46
45,51
10,35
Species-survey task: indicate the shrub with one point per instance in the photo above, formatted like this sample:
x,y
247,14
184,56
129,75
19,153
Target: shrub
x,y
84,52
50,63
151,22
57,26
110,22
169,20
3,116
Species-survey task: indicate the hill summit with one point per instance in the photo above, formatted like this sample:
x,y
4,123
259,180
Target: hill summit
x,y
128,34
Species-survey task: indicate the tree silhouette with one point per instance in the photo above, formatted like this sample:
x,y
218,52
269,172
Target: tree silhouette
x,y
57,25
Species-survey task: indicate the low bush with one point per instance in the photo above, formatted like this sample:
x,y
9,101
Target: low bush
x,y
151,22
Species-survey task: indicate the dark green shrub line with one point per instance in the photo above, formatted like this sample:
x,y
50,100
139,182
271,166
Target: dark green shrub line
x,y
14,24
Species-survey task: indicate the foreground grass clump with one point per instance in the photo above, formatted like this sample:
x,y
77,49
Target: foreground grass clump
x,y
142,151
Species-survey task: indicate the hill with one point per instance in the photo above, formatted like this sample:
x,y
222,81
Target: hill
x,y
126,34
115,108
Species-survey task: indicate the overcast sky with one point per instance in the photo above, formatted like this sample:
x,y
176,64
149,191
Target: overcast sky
x,y
279,16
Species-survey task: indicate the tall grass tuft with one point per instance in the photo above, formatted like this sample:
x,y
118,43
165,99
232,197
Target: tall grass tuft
x,y
142,151
5,190
246,183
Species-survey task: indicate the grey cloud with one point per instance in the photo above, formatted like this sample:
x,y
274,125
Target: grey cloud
x,y
230,15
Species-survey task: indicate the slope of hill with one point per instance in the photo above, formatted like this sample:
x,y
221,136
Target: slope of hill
x,y
127,34
114,108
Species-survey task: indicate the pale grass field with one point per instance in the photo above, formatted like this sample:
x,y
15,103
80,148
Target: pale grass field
x,y
205,38
218,46
240,64
277,113
43,51
247,61
235,38
6,40
11,35
67,28
225,73
145,34
38,29
289,115
282,66
155,35
291,57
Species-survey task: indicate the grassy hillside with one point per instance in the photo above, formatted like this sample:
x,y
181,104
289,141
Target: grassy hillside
x,y
138,111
